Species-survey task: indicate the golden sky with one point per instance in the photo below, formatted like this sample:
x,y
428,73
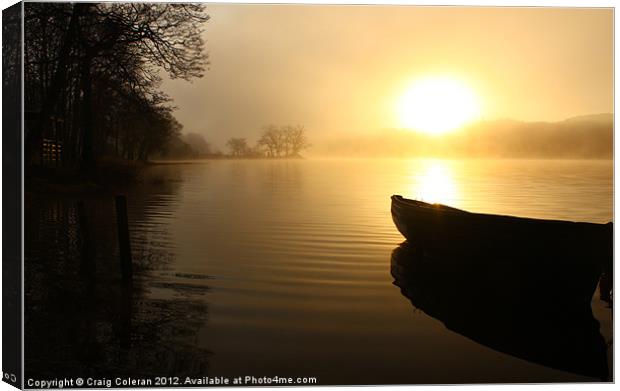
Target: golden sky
x,y
344,68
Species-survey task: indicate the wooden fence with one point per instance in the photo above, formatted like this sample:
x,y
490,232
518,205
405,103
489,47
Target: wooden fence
x,y
51,152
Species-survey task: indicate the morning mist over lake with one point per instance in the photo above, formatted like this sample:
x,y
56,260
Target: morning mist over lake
x,y
307,195
350,72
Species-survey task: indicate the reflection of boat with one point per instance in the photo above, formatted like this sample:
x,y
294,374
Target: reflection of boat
x,y
521,313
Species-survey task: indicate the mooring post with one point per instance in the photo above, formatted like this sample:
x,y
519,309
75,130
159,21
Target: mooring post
x,y
124,245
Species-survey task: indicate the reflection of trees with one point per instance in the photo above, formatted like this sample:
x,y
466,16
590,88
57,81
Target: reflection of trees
x,y
282,178
529,314
82,322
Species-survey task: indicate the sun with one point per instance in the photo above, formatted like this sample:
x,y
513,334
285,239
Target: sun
x,y
437,104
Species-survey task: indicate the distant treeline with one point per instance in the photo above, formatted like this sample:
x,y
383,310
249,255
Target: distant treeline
x,y
274,142
92,77
188,146
589,137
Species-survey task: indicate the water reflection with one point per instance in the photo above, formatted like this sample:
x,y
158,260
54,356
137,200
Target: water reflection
x,y
80,319
280,179
275,267
505,311
435,184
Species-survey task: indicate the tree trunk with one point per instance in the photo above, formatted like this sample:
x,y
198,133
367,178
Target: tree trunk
x,y
48,107
88,159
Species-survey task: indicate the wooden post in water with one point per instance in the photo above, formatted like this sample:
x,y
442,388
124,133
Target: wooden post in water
x,y
124,246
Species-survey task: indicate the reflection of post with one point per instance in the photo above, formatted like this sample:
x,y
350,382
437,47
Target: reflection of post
x,y
124,246
89,348
125,318
87,259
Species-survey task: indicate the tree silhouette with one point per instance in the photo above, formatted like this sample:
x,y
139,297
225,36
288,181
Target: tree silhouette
x,y
286,141
92,69
271,140
295,140
238,146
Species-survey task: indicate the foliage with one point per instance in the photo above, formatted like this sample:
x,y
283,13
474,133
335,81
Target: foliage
x,y
187,146
238,146
274,142
92,75
285,141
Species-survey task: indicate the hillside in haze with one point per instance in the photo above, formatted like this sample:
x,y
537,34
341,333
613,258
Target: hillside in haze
x,y
583,137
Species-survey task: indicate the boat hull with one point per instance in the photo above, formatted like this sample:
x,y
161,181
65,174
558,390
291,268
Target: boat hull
x,y
449,231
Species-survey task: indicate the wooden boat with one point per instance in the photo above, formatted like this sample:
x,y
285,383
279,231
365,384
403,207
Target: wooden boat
x,y
446,230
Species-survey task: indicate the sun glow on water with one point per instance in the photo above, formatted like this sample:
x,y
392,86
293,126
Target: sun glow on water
x,y
435,184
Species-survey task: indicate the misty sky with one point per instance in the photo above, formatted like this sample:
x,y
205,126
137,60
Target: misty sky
x,y
341,69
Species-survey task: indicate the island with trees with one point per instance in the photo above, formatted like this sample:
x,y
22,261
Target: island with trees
x,y
274,142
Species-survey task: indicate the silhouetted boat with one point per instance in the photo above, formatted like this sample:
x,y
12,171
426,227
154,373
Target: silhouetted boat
x,y
517,311
445,230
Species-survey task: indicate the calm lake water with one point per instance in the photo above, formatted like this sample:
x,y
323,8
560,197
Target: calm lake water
x,y
277,268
